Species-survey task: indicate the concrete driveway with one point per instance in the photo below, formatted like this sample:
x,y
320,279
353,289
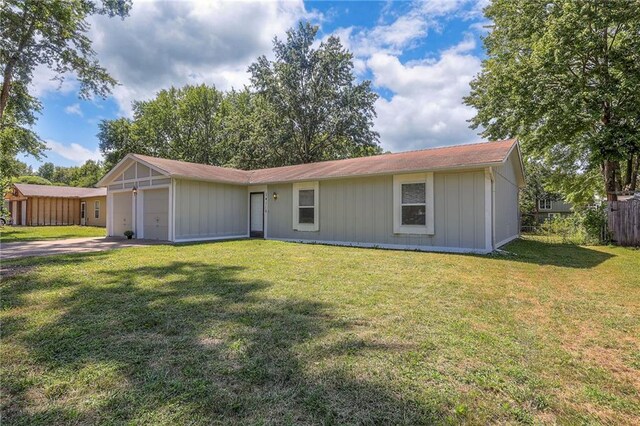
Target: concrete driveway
x,y
72,245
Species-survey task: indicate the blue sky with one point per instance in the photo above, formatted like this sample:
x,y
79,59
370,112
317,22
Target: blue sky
x,y
420,56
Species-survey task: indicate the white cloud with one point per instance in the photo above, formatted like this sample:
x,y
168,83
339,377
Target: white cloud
x,y
74,152
426,107
174,43
44,81
73,109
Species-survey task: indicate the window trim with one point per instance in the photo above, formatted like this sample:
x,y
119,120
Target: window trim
x,y
96,209
306,227
545,201
398,181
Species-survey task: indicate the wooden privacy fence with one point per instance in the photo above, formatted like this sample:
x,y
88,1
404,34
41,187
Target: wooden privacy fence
x,y
623,222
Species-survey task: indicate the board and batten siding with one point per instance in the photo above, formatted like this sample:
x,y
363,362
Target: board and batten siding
x,y
205,210
507,222
360,210
101,220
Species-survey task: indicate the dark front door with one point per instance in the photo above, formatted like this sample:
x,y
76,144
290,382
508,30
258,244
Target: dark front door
x,y
256,212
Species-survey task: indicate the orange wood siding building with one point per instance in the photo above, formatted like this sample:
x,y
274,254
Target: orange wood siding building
x,y
47,205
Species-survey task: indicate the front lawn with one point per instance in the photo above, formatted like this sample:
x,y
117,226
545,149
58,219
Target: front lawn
x,y
29,233
263,332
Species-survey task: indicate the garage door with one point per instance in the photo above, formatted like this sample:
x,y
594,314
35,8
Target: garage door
x,y
122,213
156,214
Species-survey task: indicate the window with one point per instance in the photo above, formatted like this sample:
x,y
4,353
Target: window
x,y
413,204
305,206
96,209
544,204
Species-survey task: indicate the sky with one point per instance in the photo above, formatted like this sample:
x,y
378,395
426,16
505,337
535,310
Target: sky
x,y
419,55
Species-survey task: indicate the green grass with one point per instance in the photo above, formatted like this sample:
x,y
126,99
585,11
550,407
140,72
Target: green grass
x,y
264,332
31,233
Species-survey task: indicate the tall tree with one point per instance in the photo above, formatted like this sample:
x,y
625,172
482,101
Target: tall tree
x,y
116,141
86,175
318,111
183,124
51,33
564,77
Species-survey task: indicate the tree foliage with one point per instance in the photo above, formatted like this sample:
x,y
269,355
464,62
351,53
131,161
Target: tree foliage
x,y
31,179
564,77
53,34
318,111
302,107
184,124
86,175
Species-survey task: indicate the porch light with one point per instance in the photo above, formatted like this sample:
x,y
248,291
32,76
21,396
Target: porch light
x,y
275,195
134,190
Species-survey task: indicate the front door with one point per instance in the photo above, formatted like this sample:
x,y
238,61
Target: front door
x,y
83,213
256,208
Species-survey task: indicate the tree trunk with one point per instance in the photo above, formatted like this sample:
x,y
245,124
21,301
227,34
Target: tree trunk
x,y
634,174
6,86
609,172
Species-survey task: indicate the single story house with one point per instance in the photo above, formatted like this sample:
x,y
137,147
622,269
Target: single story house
x,y
35,205
454,199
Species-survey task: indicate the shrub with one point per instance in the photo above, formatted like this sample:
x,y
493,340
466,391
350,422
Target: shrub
x,y
568,229
588,226
595,223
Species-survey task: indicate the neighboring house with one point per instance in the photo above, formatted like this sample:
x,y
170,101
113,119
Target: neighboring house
x,y
36,205
458,199
550,207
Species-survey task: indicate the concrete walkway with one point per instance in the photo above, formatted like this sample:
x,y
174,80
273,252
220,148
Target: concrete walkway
x,y
20,249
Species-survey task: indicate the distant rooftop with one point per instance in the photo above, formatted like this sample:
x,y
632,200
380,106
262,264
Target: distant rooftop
x,y
31,190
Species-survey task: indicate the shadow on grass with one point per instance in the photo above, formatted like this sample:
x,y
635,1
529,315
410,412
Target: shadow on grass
x,y
555,254
194,343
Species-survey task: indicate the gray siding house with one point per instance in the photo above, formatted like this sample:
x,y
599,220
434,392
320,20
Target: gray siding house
x,y
454,199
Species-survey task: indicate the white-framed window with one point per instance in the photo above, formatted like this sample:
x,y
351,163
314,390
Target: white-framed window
x,y
305,206
96,209
544,204
413,211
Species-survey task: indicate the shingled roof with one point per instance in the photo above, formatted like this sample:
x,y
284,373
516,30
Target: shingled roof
x,y
31,190
443,158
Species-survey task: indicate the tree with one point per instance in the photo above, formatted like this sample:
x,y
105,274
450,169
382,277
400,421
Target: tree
x,y
52,34
183,124
315,109
564,77
86,175
35,180
47,171
116,141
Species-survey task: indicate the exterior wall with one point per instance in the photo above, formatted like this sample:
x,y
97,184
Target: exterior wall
x,y
360,210
560,206
91,219
206,210
43,211
506,215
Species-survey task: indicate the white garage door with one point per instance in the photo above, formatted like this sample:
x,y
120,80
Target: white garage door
x,y
156,214
122,213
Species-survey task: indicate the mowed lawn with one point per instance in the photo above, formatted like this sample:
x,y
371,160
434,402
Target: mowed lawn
x,y
264,332
31,233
